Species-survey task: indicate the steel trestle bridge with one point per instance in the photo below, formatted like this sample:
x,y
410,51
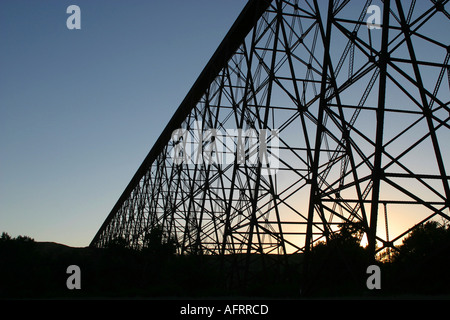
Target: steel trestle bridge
x,y
362,114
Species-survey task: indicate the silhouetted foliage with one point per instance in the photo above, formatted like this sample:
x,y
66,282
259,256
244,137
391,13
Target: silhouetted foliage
x,y
118,244
339,264
156,244
30,269
422,262
38,270
17,256
7,240
422,242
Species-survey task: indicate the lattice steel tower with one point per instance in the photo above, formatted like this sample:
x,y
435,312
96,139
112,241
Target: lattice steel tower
x,y
355,108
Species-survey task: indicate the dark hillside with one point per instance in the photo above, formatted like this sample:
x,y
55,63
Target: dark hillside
x,y
38,270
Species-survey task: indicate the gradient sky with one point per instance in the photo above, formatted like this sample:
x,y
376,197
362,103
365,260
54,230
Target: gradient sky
x,y
80,109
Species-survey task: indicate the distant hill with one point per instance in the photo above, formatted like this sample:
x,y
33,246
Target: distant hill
x,y
48,247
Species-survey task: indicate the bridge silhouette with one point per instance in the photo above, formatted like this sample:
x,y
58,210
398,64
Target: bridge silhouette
x,y
307,118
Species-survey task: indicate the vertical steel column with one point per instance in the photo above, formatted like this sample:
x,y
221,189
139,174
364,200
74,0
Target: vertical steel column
x,y
377,172
314,191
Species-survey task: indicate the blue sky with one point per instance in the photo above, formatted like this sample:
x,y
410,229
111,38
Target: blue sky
x,y
80,109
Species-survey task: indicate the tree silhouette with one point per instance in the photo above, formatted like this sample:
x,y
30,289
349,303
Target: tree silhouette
x,y
423,242
156,244
340,263
422,262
